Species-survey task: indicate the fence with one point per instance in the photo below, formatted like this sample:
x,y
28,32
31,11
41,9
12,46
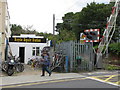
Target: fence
x,y
74,49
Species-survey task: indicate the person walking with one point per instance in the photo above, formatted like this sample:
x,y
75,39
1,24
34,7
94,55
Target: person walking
x,y
45,65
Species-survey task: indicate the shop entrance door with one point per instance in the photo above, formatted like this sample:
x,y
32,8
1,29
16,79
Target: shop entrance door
x,y
22,54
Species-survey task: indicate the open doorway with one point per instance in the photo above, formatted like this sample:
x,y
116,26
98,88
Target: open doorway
x,y
22,54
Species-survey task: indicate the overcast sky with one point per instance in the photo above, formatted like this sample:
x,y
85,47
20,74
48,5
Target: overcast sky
x,y
39,13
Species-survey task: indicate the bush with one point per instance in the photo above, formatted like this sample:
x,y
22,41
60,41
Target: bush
x,y
112,67
114,48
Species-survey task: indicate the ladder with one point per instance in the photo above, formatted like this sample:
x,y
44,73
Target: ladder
x,y
108,33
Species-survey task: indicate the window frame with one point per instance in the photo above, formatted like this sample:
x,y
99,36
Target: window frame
x,y
35,50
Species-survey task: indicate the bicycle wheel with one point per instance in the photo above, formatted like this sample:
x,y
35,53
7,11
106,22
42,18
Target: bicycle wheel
x,y
20,68
4,66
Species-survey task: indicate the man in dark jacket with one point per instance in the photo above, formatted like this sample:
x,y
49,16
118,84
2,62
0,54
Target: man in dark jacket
x,y
45,64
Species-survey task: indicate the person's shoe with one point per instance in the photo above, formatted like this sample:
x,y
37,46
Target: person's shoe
x,y
50,74
42,75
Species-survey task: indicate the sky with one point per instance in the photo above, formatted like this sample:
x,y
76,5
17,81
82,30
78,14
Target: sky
x,y
39,13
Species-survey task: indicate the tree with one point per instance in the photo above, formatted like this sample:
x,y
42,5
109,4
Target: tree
x,y
18,29
93,16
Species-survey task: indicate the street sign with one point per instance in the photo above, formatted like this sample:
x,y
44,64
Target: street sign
x,y
82,38
92,35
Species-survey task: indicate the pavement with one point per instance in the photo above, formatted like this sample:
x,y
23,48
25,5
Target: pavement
x,y
29,75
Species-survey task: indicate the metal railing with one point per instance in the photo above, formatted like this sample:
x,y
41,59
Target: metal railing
x,y
74,49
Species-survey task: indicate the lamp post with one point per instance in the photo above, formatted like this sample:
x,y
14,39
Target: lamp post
x,y
54,31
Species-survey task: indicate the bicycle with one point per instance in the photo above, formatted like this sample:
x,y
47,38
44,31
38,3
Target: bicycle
x,y
34,62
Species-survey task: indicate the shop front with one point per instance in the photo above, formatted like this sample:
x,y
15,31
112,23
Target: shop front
x,y
27,46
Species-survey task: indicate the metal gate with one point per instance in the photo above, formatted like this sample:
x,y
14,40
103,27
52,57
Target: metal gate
x,y
74,49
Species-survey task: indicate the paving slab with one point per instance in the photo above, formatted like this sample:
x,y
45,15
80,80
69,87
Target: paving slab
x,y
36,78
30,75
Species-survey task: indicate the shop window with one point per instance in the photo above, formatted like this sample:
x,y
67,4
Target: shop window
x,y
36,51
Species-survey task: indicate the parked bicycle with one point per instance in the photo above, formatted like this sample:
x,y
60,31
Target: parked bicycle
x,y
19,67
34,62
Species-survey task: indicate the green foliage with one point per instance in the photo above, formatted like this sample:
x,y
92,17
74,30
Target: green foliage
x,y
66,36
115,48
94,15
112,67
18,29
95,47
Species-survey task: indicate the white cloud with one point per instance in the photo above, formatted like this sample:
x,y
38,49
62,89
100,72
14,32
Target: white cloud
x,y
39,12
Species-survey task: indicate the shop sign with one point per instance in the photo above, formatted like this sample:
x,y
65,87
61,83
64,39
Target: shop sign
x,y
27,40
